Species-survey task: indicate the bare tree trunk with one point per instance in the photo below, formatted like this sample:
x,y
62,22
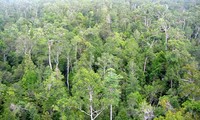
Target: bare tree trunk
x,y
166,39
184,22
91,108
67,72
104,71
49,45
57,59
4,57
91,113
145,63
145,21
196,34
111,112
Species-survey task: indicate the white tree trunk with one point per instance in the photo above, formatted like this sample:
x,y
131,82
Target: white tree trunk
x,y
49,45
57,59
145,64
166,39
67,72
111,112
4,57
91,108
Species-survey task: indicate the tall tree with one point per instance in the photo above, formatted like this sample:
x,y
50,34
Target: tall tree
x,y
112,89
87,93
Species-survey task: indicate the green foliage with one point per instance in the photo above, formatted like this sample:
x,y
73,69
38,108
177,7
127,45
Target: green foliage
x,y
111,87
172,116
84,81
52,90
29,79
122,114
158,66
134,101
95,59
192,105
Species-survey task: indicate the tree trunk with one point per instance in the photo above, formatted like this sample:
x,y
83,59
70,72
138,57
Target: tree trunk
x,y
145,21
49,45
104,71
111,112
166,39
196,34
57,60
91,113
67,72
145,63
4,57
76,50
91,108
184,22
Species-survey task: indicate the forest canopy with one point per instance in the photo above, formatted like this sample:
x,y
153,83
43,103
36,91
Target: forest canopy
x,y
99,59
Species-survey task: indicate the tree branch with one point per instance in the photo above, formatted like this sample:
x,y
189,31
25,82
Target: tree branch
x,y
100,111
83,111
190,81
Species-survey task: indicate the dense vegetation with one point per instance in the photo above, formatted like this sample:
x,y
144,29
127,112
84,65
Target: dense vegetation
x,y
99,59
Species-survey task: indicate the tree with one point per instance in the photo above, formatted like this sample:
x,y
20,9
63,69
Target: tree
x,y
87,92
29,79
134,101
2,95
105,62
112,91
65,59
52,90
171,116
24,45
147,111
